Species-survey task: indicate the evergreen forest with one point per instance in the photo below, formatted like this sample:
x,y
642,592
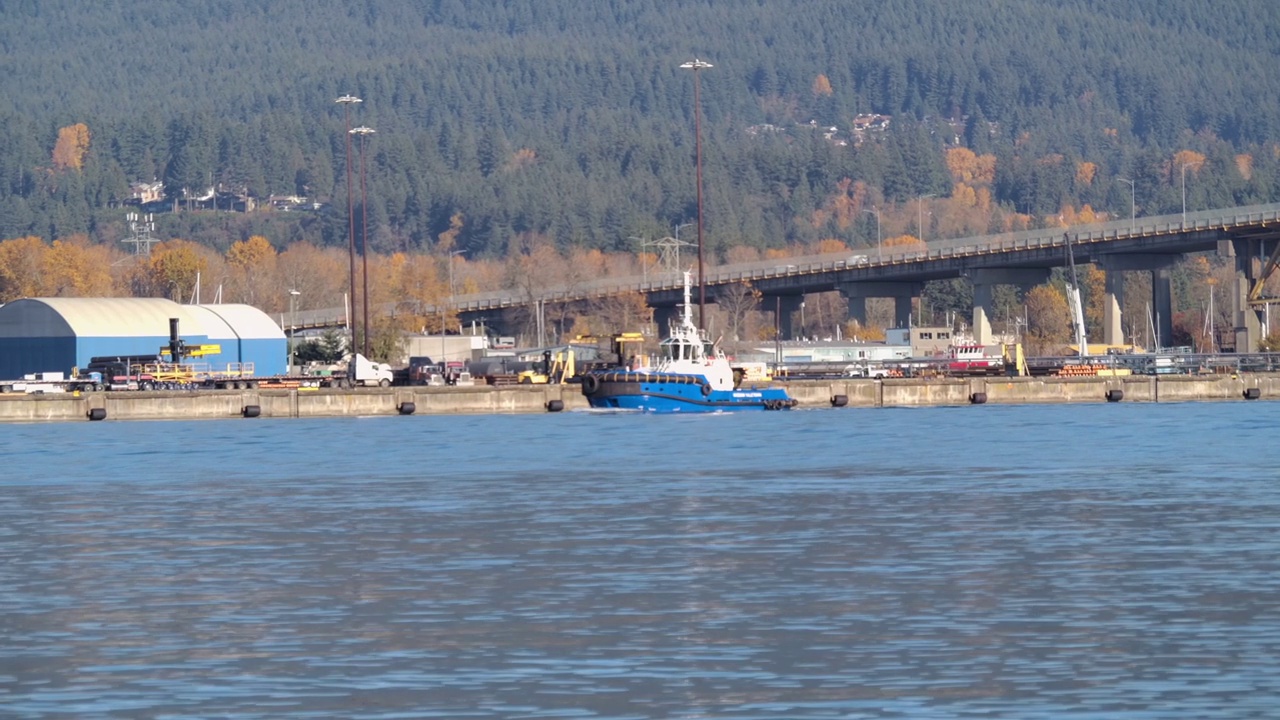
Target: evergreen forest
x,y
503,127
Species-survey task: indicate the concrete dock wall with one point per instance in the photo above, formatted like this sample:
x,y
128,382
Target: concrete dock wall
x,y
904,392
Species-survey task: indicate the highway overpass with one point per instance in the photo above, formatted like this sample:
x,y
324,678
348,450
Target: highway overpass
x,y
1148,244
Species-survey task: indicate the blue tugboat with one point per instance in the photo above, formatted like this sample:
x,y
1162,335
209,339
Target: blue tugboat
x,y
691,376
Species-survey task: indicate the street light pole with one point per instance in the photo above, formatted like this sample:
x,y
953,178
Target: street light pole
x,y
1132,204
920,214
695,65
293,322
876,212
363,131
1184,195
347,101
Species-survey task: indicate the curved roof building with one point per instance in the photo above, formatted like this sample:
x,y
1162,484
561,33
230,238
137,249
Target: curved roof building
x,y
57,334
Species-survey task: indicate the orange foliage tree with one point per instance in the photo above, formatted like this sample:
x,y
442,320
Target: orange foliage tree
x,y
72,145
252,267
1048,320
75,268
22,267
904,244
172,270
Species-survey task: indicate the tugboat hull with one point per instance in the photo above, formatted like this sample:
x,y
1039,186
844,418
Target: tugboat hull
x,y
672,393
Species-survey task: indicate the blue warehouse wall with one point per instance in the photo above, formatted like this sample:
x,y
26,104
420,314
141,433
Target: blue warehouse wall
x,y
269,356
91,347
20,356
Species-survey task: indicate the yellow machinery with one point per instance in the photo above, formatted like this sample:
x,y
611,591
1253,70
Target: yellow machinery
x,y
555,370
194,350
1013,358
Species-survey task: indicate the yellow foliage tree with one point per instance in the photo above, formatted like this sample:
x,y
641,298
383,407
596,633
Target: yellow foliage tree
x,y
22,267
252,264
72,145
318,275
1093,285
830,246
822,85
1244,163
172,270
904,244
449,237
1085,172
1048,320
970,168
75,268
1192,159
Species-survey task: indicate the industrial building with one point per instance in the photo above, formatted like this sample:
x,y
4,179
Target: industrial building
x,y
58,334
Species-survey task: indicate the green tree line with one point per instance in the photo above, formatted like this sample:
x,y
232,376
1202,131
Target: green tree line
x,y
570,119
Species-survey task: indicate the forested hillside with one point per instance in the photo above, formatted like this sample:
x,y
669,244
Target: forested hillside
x,y
570,121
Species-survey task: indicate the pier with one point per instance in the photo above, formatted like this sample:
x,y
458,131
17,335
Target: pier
x,y
839,394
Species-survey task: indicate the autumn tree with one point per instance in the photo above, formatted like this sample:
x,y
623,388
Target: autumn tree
x,y
172,270
252,266
822,86
622,312
22,268
904,244
318,275
1048,320
72,145
75,268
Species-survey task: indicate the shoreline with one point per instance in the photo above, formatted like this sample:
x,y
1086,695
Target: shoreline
x,y
482,399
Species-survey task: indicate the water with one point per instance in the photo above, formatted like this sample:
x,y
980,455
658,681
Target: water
x,y
1093,561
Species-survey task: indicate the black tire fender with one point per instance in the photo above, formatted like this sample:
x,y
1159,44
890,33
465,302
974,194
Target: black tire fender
x,y
590,384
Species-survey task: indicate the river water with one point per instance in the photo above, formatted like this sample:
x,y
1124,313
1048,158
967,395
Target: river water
x,y
1091,561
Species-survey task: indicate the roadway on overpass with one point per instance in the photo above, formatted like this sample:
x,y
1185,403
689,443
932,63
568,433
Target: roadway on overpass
x,y
1145,243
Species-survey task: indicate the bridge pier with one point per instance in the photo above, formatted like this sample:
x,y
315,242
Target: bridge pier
x,y
1248,320
664,317
783,308
903,293
984,280
1161,294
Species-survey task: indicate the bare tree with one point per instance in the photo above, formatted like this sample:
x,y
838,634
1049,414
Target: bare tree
x,y
737,301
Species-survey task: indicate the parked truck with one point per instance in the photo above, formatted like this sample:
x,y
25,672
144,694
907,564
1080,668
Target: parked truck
x,y
53,382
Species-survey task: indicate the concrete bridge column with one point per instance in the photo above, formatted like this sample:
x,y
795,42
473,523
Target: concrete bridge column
x,y
903,293
1112,322
1161,291
984,279
858,310
783,307
663,317
1162,301
1248,320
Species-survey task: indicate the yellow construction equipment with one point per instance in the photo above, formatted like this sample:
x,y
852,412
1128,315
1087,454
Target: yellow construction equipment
x,y
555,370
195,350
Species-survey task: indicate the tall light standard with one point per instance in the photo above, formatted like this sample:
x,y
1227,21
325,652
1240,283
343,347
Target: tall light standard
x,y
1184,195
695,65
450,258
920,214
347,101
876,212
1133,205
363,131
293,314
